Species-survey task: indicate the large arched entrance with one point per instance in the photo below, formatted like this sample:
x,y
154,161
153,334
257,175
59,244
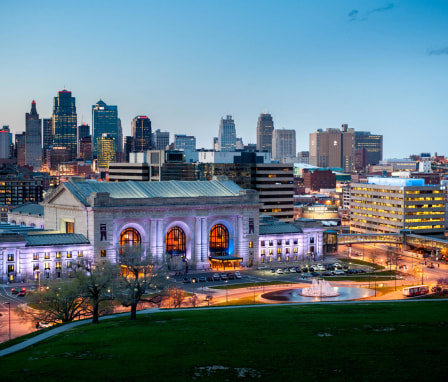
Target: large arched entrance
x,y
175,247
218,247
129,238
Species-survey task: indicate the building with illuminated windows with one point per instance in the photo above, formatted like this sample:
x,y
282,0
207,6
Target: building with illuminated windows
x,y
141,133
389,205
106,145
105,121
227,134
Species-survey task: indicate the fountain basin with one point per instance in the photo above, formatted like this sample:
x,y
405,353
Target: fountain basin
x,y
295,295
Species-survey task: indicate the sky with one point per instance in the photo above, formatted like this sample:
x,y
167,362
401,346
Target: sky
x,y
376,65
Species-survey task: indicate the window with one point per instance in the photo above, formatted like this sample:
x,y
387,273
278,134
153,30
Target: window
x,y
287,250
271,243
287,242
80,254
11,268
36,267
279,258
69,254
262,243
69,227
103,253
311,240
219,240
279,250
295,241
271,251
279,242
251,244
10,257
58,265
296,250
262,253
47,265
47,255
175,241
58,255
35,256
130,237
69,264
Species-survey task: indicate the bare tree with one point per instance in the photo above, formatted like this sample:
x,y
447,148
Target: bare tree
x,y
194,300
139,271
95,282
60,302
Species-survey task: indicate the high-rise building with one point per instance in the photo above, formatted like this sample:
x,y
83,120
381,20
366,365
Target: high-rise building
x,y
265,129
105,121
284,144
65,127
141,131
184,142
106,150
128,147
160,139
33,139
20,149
227,134
83,131
332,148
5,142
47,133
373,143
85,148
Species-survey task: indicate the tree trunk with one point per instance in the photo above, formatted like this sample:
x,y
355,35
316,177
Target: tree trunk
x,y
96,308
133,311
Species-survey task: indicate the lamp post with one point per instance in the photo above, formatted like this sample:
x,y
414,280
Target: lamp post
x,y
194,282
38,278
227,295
9,317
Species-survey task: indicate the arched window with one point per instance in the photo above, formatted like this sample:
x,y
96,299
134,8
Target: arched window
x,y
175,241
219,241
130,237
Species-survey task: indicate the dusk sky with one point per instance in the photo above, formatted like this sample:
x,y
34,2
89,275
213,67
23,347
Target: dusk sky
x,y
379,66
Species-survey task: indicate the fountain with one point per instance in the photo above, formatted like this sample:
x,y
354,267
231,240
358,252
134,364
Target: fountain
x,y
319,288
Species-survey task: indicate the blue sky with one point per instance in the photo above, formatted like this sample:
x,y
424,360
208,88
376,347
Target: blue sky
x,y
379,66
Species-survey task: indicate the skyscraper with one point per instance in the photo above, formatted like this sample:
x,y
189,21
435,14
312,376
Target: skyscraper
x,y
160,139
373,143
141,131
332,148
106,149
227,134
5,142
284,144
265,129
105,121
33,139
20,149
65,122
83,131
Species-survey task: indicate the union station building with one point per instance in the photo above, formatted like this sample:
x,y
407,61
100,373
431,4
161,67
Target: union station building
x,y
193,225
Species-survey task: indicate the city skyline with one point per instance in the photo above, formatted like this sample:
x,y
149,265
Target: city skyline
x,y
375,65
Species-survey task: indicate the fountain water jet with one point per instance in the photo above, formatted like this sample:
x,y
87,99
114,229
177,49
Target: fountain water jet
x,y
319,288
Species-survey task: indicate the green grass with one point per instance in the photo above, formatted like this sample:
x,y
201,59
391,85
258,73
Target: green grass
x,y
361,262
251,285
329,342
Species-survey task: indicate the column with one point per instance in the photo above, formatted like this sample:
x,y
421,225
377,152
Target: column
x,y
152,236
159,242
204,236
197,240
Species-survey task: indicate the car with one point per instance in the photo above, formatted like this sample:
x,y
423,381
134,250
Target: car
x,y
285,270
311,269
280,271
305,270
315,274
22,293
14,291
262,267
305,276
209,278
338,272
186,280
292,270
216,277
224,276
326,273
231,276
298,270
202,279
238,275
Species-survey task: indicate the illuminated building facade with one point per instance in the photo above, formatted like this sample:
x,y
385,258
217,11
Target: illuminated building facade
x,y
142,133
106,150
227,134
389,205
65,128
105,121
373,145
33,139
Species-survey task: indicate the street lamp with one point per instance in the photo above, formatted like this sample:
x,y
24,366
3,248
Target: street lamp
x,y
194,282
9,314
38,278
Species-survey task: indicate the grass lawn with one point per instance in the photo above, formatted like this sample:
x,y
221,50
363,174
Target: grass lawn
x,y
361,262
335,342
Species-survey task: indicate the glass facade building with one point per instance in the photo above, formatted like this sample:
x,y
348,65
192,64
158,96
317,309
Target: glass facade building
x,y
105,121
227,134
33,139
142,133
265,129
65,127
373,143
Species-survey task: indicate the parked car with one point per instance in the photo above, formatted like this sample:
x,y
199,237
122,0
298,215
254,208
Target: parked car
x,y
186,280
216,277
326,273
261,267
298,270
22,293
338,272
272,270
292,270
280,271
14,291
238,275
209,278
224,276
202,279
315,274
231,276
285,270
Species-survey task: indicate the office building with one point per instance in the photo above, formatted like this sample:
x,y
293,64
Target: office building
x,y
86,148
83,131
65,127
160,139
5,143
106,150
33,139
317,179
128,147
373,143
184,142
141,132
265,129
16,191
105,121
389,205
332,148
283,144
20,149
227,134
